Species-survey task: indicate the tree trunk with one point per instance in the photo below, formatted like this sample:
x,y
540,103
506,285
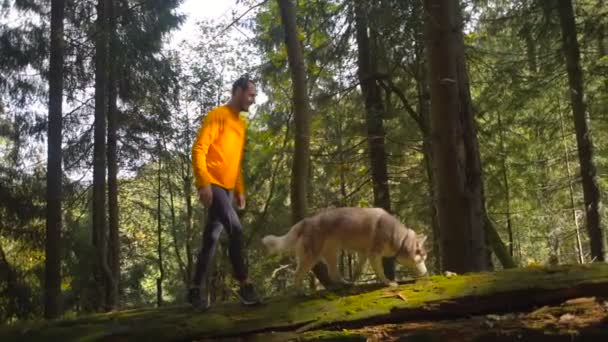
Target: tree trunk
x,y
427,151
601,32
373,117
52,270
578,247
112,153
187,183
189,213
499,248
301,110
424,119
342,178
428,162
461,212
176,247
100,269
591,192
481,256
505,179
530,48
301,158
161,270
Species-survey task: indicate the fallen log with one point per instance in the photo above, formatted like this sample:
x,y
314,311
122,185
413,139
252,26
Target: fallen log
x,y
432,299
580,319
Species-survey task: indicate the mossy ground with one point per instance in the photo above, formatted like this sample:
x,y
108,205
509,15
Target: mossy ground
x,y
433,299
580,319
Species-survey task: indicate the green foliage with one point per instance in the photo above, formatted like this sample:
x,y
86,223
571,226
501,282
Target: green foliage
x,y
518,75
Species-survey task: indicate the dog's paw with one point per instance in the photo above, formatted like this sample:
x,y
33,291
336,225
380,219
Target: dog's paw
x,y
340,285
298,293
392,284
345,283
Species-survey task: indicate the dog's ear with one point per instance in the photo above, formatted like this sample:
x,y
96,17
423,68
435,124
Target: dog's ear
x,y
422,239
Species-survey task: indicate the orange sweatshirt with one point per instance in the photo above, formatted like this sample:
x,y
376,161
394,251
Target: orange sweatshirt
x,y
218,150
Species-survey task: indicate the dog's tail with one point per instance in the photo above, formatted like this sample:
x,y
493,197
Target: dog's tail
x,y
278,244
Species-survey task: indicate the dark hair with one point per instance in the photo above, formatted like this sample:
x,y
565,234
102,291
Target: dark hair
x,y
242,82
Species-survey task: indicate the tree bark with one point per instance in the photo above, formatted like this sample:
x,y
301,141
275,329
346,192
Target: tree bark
x,y
372,95
498,246
505,179
52,270
297,67
161,270
301,158
100,269
428,163
601,32
424,121
187,179
460,206
176,247
578,247
530,48
342,202
591,191
481,256
112,154
186,172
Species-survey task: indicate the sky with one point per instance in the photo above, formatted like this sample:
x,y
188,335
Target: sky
x,y
196,10
201,9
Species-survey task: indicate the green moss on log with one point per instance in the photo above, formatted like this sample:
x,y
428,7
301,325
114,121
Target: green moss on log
x,y
432,298
580,319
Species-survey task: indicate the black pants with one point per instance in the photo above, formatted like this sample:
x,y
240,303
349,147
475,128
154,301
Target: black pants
x,y
221,215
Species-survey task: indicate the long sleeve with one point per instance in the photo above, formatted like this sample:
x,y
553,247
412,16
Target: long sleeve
x,y
204,138
239,188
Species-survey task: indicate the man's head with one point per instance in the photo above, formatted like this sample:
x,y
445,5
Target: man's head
x,y
243,93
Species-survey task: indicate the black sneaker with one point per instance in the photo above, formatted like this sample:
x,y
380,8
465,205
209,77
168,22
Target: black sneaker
x,y
248,295
195,299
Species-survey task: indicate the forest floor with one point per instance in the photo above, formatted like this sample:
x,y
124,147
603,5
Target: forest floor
x,y
563,303
578,319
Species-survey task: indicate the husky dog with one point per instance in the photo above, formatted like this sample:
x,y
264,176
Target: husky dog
x,y
371,232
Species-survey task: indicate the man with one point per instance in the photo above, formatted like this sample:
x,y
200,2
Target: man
x,y
216,163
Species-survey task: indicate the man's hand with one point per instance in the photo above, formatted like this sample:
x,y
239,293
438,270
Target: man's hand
x,y
240,201
205,195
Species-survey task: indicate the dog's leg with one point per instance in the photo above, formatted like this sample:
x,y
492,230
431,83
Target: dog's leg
x,y
376,262
305,263
359,268
331,260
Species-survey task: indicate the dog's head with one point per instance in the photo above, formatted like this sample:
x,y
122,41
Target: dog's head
x,y
412,254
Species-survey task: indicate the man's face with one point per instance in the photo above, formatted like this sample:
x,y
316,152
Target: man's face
x,y
246,96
